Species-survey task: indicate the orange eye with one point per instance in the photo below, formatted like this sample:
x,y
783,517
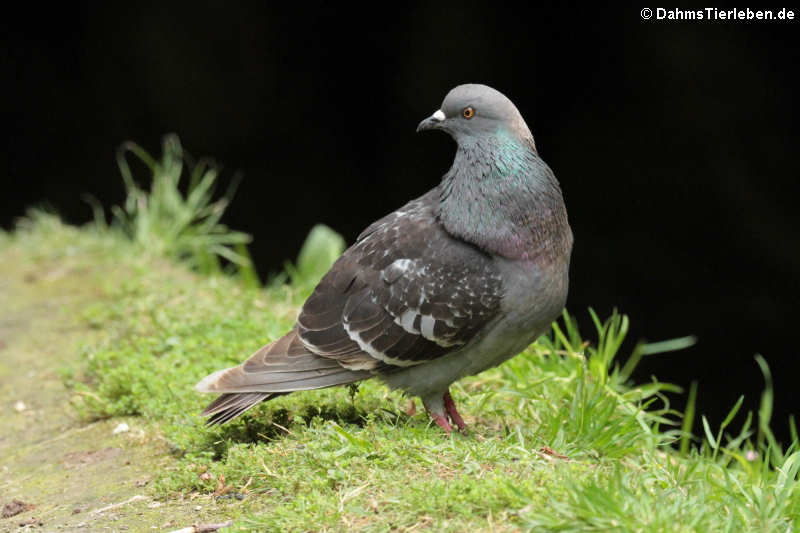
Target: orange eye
x,y
468,113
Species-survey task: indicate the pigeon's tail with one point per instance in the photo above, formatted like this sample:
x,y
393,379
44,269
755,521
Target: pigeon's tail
x,y
278,368
230,405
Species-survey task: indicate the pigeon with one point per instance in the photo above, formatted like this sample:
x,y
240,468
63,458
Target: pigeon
x,y
451,284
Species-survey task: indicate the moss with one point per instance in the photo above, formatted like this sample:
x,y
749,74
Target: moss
x,y
98,332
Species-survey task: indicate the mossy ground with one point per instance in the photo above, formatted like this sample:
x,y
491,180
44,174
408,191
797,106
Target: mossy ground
x,y
96,331
65,465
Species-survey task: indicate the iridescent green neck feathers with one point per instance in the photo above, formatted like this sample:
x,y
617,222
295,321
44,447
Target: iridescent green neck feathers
x,y
501,197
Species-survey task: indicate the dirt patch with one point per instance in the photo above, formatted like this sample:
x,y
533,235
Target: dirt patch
x,y
84,458
32,521
16,507
82,476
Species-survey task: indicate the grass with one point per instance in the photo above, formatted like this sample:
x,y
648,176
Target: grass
x,y
166,221
560,438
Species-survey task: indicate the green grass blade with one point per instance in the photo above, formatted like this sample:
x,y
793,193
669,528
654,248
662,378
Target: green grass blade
x,y
688,419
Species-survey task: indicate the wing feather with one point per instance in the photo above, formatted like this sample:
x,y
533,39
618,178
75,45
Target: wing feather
x,y
405,293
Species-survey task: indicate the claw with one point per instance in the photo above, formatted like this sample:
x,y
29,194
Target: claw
x,y
452,412
442,422
442,409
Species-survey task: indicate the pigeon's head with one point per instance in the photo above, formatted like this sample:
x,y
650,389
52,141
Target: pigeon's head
x,y
470,111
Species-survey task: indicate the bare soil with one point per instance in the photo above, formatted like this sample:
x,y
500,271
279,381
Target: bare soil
x,y
57,472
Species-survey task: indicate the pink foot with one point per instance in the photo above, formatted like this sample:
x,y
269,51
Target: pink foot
x,y
442,422
452,412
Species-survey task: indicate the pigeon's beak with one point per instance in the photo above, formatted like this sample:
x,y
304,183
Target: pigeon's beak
x,y
432,122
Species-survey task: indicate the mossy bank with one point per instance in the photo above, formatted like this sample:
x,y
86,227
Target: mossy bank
x,y
96,332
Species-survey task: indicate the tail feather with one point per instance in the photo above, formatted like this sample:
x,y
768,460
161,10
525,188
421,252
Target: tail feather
x,y
229,406
229,400
237,379
279,368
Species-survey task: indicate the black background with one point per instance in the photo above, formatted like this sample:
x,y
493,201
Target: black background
x,y
675,143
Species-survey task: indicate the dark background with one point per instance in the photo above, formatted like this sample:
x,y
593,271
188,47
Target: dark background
x,y
675,143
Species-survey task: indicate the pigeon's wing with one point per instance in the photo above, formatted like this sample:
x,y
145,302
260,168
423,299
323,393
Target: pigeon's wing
x,y
405,293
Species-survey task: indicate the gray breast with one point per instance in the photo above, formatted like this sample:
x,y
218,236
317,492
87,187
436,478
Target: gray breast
x,y
536,292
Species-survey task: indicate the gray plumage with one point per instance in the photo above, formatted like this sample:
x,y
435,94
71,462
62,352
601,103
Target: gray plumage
x,y
452,283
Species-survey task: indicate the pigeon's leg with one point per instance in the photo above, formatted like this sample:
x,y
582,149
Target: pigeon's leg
x,y
442,422
436,409
452,412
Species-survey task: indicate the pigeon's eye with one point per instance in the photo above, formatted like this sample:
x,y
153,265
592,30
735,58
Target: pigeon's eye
x,y
468,113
